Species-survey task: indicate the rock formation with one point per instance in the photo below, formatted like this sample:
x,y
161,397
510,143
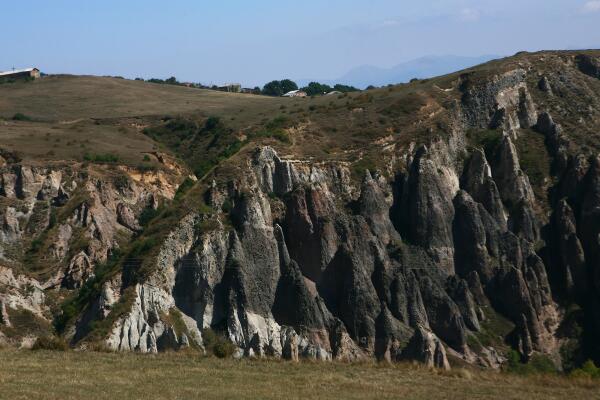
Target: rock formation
x,y
417,258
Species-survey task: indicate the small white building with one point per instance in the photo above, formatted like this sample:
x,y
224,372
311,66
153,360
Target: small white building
x,y
295,93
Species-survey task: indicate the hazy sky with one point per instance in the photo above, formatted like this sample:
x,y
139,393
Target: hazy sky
x,y
253,41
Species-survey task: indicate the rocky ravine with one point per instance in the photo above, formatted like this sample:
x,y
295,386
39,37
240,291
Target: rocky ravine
x,y
452,258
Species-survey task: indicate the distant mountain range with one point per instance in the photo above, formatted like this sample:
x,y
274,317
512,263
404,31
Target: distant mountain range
x,y
424,67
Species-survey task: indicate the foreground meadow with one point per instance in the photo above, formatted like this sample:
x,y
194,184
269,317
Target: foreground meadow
x,y
75,375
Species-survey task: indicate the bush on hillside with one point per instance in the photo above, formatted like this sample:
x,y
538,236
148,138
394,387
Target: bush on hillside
x,y
536,365
217,345
186,185
49,343
21,117
587,370
211,123
101,158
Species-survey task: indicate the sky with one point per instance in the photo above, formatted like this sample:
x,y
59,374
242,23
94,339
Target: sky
x,y
255,41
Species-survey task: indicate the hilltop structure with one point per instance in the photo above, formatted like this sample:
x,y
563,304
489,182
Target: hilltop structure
x,y
295,93
20,73
231,87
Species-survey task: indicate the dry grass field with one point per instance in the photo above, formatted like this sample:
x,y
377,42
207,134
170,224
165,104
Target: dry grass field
x,y
26,374
68,98
68,116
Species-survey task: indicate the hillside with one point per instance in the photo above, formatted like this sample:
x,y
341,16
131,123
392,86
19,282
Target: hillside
x,y
90,97
451,220
72,115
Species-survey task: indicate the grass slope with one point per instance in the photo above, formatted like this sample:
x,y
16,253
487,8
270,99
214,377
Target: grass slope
x,y
67,98
74,375
63,117
66,117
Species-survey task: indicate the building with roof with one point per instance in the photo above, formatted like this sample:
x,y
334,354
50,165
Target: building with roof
x,y
231,87
20,74
251,90
295,93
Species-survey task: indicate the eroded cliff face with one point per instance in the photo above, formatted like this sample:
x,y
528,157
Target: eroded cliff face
x,y
59,223
305,263
452,257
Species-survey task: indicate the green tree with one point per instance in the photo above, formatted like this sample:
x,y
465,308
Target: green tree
x,y
278,88
288,85
272,88
316,88
345,88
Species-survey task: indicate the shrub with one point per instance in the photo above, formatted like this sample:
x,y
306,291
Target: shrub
x,y
101,158
180,127
230,150
278,122
537,364
203,167
587,370
223,349
143,246
99,347
21,117
146,167
49,343
211,123
359,167
121,181
36,245
183,188
533,157
74,304
571,354
542,364
407,106
52,220
487,139
148,214
227,206
216,344
278,134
